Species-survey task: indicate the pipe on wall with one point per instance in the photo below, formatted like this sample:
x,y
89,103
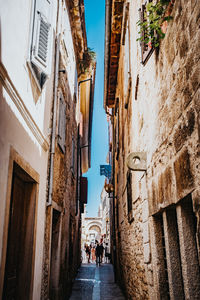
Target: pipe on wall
x,y
53,136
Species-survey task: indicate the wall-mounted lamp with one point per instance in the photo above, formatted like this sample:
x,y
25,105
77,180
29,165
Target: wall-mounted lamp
x,y
108,188
137,161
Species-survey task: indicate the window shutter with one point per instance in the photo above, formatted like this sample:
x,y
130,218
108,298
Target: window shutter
x,y
62,123
41,44
84,190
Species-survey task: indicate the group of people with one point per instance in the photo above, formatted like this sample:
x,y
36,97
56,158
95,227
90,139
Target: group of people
x,y
97,253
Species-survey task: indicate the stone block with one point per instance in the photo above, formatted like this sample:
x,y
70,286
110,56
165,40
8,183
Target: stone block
x,y
168,185
143,187
145,231
147,253
183,175
180,136
145,211
152,198
160,189
196,101
196,200
190,121
195,79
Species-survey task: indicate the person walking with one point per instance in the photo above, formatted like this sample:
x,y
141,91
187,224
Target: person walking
x,y
106,253
98,252
93,254
101,252
87,250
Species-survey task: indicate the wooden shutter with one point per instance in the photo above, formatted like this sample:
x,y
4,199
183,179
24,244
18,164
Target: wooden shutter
x,y
41,44
62,123
84,189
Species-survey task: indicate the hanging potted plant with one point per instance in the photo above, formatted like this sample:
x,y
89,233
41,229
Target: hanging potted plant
x,y
154,23
89,57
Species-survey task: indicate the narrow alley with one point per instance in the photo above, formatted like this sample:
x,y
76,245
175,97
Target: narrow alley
x,y
95,283
100,149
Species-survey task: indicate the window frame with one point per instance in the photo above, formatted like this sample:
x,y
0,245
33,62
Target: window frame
x,y
146,50
39,72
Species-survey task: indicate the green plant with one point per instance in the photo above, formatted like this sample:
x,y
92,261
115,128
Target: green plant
x,y
89,57
151,26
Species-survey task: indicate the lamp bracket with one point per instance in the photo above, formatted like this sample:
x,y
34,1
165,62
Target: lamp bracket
x,y
137,161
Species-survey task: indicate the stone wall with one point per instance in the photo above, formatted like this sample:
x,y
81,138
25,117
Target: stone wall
x,y
64,200
163,121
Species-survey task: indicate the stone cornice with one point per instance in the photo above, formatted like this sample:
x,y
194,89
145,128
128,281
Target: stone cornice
x,y
77,21
20,105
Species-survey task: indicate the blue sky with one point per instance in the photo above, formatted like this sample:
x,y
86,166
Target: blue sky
x,y
95,27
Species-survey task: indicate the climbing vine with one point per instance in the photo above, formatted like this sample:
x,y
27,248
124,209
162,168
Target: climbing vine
x,y
151,25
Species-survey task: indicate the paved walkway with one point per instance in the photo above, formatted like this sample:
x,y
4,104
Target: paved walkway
x,y
96,283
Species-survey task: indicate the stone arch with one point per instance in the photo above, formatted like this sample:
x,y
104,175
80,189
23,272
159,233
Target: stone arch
x,y
94,223
95,228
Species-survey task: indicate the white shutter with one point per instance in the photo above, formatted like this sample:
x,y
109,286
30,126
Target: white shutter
x,y
42,36
62,123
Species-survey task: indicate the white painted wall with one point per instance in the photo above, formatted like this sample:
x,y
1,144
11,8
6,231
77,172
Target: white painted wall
x,y
24,123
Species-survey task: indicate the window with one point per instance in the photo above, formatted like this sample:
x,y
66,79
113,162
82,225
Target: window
x,y
62,123
146,49
41,43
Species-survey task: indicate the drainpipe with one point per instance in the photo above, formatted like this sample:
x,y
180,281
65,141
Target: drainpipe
x,y
53,137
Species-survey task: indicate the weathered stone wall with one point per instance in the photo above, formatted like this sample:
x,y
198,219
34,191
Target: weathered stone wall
x,y
64,199
163,122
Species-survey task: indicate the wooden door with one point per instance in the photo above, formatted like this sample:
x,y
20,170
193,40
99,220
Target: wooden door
x,y
17,279
55,256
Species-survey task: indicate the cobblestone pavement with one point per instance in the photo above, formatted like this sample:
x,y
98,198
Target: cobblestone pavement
x,y
95,283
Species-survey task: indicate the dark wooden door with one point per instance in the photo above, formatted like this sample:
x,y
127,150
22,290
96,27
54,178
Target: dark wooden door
x,y
17,280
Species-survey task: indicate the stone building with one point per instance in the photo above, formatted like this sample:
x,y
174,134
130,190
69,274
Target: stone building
x,y
151,96
26,92
91,230
105,203
47,77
